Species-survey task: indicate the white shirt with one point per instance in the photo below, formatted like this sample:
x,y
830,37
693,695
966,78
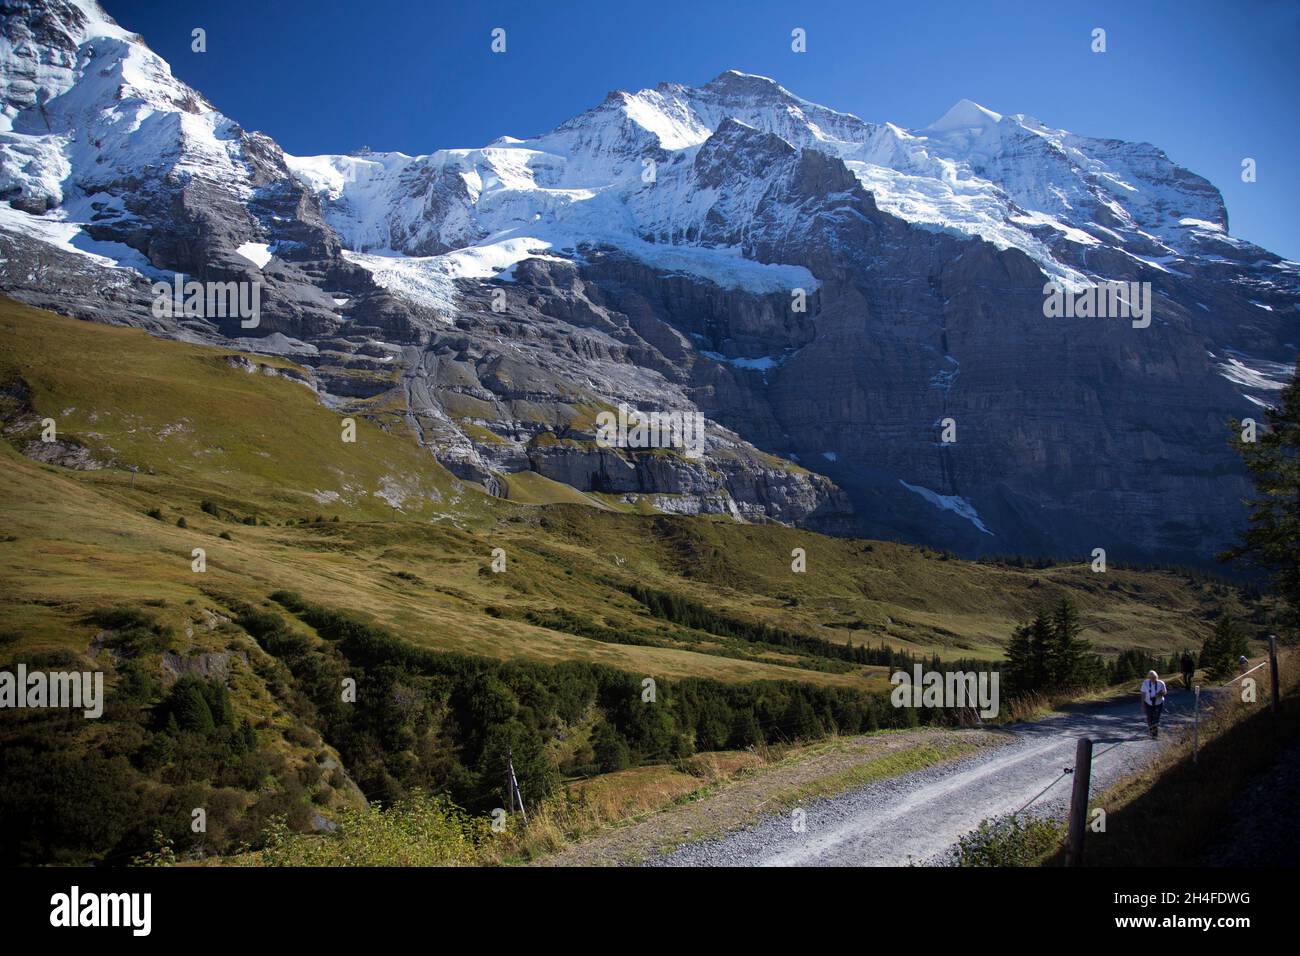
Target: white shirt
x,y
1152,689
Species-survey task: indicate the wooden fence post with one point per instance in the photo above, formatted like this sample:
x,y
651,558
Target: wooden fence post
x,y
1079,801
1196,724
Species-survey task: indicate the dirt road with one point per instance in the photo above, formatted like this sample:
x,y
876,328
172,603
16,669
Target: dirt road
x,y
918,817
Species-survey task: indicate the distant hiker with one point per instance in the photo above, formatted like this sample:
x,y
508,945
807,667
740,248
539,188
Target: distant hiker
x,y
1242,663
1153,701
1189,669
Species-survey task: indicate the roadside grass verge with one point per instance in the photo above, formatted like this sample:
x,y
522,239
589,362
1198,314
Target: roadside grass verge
x,y
1169,813
1010,840
889,765
1172,812
734,790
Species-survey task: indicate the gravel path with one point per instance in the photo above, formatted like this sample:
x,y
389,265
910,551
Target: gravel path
x,y
917,818
741,801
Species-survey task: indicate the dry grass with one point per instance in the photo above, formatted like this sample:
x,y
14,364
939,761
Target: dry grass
x,y
733,793
262,446
1173,811
621,799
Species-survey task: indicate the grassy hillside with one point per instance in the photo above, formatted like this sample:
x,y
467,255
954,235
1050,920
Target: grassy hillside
x,y
163,447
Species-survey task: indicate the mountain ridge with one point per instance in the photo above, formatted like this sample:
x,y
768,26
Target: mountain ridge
x,y
648,252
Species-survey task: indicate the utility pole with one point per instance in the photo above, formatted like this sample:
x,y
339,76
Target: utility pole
x,y
1196,723
512,785
1272,666
1079,801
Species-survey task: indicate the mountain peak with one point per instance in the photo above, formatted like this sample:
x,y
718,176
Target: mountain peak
x,y
734,81
965,114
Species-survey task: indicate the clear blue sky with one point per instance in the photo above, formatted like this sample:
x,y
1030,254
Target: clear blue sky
x,y
1209,82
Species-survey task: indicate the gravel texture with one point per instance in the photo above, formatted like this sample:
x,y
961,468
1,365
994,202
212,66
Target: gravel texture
x,y
918,818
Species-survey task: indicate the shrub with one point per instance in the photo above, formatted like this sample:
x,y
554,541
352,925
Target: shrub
x,y
610,750
417,830
1222,649
1009,841
136,631
191,710
199,706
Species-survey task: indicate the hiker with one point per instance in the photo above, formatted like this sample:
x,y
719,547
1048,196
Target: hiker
x,y
1189,669
1242,663
1153,700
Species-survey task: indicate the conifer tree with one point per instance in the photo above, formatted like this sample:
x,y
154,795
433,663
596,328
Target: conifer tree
x,y
1018,661
1272,541
1067,649
190,708
1040,651
1222,649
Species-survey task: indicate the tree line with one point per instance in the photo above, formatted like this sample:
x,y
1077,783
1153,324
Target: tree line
x,y
443,722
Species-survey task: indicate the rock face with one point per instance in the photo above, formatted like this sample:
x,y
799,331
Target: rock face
x,y
839,299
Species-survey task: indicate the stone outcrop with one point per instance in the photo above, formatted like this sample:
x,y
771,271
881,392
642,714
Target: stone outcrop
x,y
807,281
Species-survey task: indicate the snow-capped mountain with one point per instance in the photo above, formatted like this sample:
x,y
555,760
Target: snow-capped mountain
x,y
1010,180
649,251
107,156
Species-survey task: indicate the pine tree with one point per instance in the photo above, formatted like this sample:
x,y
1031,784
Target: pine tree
x,y
1018,661
190,708
1223,648
611,750
1040,651
1125,670
801,720
1068,651
218,699
745,730
1272,541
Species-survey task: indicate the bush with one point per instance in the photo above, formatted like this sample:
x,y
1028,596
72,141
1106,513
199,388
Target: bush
x,y
86,816
1222,649
199,706
136,631
417,830
191,710
610,750
444,721
1009,841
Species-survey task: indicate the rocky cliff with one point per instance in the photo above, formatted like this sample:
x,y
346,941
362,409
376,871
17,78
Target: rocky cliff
x,y
836,297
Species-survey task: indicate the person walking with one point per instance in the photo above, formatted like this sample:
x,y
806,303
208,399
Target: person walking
x,y
1188,668
1153,701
